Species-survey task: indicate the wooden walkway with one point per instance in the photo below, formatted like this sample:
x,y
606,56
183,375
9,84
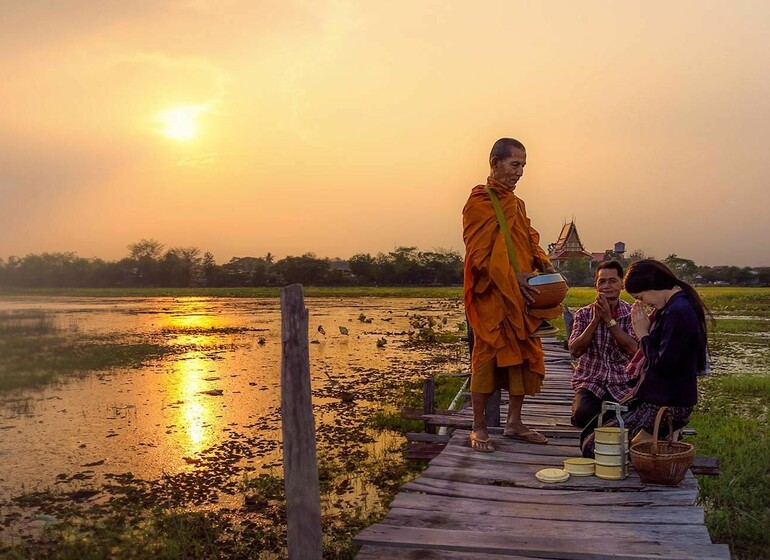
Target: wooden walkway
x,y
483,506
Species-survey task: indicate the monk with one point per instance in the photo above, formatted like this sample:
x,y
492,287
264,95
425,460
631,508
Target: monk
x,y
507,352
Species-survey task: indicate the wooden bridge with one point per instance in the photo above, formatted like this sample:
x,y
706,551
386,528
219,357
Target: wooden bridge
x,y
490,506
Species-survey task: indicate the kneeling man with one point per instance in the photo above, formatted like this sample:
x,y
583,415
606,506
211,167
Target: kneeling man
x,y
603,340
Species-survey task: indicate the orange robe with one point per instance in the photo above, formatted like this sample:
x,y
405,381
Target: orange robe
x,y
496,310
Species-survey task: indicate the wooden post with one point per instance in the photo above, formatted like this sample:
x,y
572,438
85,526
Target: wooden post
x,y
429,401
300,467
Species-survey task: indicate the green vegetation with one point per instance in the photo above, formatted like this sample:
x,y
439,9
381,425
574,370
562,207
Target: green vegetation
x,y
35,351
732,424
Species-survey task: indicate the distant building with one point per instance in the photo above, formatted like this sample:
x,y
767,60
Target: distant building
x,y
569,247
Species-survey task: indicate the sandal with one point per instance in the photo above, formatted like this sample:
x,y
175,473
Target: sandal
x,y
530,436
481,445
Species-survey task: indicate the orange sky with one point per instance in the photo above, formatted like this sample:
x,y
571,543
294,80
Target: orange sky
x,y
339,127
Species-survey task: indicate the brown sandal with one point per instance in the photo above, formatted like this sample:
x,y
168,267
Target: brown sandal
x,y
481,445
530,436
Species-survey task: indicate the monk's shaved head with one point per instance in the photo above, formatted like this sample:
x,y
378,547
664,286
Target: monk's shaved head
x,y
503,149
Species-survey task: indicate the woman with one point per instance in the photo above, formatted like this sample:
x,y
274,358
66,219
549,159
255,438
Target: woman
x,y
672,349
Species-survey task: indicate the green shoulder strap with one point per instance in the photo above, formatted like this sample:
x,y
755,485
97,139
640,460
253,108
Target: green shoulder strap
x,y
503,226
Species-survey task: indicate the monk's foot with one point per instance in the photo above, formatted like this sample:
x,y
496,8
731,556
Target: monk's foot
x,y
480,441
521,432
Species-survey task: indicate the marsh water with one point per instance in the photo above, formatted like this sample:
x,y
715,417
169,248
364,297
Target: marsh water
x,y
207,414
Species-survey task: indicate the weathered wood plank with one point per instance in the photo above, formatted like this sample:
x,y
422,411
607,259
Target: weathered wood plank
x,y
508,446
609,514
390,553
572,547
588,498
524,527
705,465
419,437
424,450
526,479
466,421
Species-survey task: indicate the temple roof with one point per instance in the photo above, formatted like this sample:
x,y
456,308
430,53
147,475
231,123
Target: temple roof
x,y
568,245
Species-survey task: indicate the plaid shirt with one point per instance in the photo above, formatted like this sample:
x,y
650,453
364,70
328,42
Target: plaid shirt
x,y
602,369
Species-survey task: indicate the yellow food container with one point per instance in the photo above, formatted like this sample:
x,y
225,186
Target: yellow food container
x,y
608,472
609,448
609,435
612,460
579,466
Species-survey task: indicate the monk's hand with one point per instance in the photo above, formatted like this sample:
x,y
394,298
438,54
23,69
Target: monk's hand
x,y
603,307
527,291
640,320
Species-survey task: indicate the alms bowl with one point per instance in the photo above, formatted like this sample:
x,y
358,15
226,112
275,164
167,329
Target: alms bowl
x,y
553,289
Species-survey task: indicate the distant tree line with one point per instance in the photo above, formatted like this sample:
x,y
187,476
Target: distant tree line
x,y
150,264
580,272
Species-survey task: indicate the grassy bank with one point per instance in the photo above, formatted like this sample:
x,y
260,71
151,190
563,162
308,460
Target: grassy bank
x,y
35,350
732,424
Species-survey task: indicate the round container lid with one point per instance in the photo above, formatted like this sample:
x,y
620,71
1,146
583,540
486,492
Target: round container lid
x,y
579,466
552,475
545,279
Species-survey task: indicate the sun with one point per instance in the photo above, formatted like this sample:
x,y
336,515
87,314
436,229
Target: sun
x,y
180,123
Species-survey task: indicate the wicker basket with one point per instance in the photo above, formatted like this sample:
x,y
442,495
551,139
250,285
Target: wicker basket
x,y
662,462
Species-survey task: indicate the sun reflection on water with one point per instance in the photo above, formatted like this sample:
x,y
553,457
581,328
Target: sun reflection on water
x,y
195,413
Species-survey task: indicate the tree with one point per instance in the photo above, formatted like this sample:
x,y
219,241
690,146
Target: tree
x,y
364,267
577,272
210,269
179,266
145,249
637,255
307,269
442,267
685,269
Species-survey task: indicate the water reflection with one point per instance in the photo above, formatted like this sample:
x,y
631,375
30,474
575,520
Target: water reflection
x,y
192,374
175,429
193,412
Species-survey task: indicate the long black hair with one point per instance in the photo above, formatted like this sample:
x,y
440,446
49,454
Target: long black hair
x,y
649,274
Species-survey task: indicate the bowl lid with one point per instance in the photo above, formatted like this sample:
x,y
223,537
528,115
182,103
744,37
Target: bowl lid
x,y
552,475
579,461
610,430
545,279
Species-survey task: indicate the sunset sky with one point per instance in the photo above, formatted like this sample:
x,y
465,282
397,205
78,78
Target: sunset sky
x,y
339,127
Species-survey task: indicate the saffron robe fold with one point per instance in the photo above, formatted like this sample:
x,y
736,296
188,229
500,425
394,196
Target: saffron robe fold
x,y
495,308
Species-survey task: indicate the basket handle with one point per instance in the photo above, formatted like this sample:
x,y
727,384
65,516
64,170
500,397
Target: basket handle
x,y
661,411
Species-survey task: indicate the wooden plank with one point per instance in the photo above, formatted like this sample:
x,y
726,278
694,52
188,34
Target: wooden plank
x,y
705,466
424,451
427,438
390,553
526,478
571,547
588,498
507,449
524,527
475,509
